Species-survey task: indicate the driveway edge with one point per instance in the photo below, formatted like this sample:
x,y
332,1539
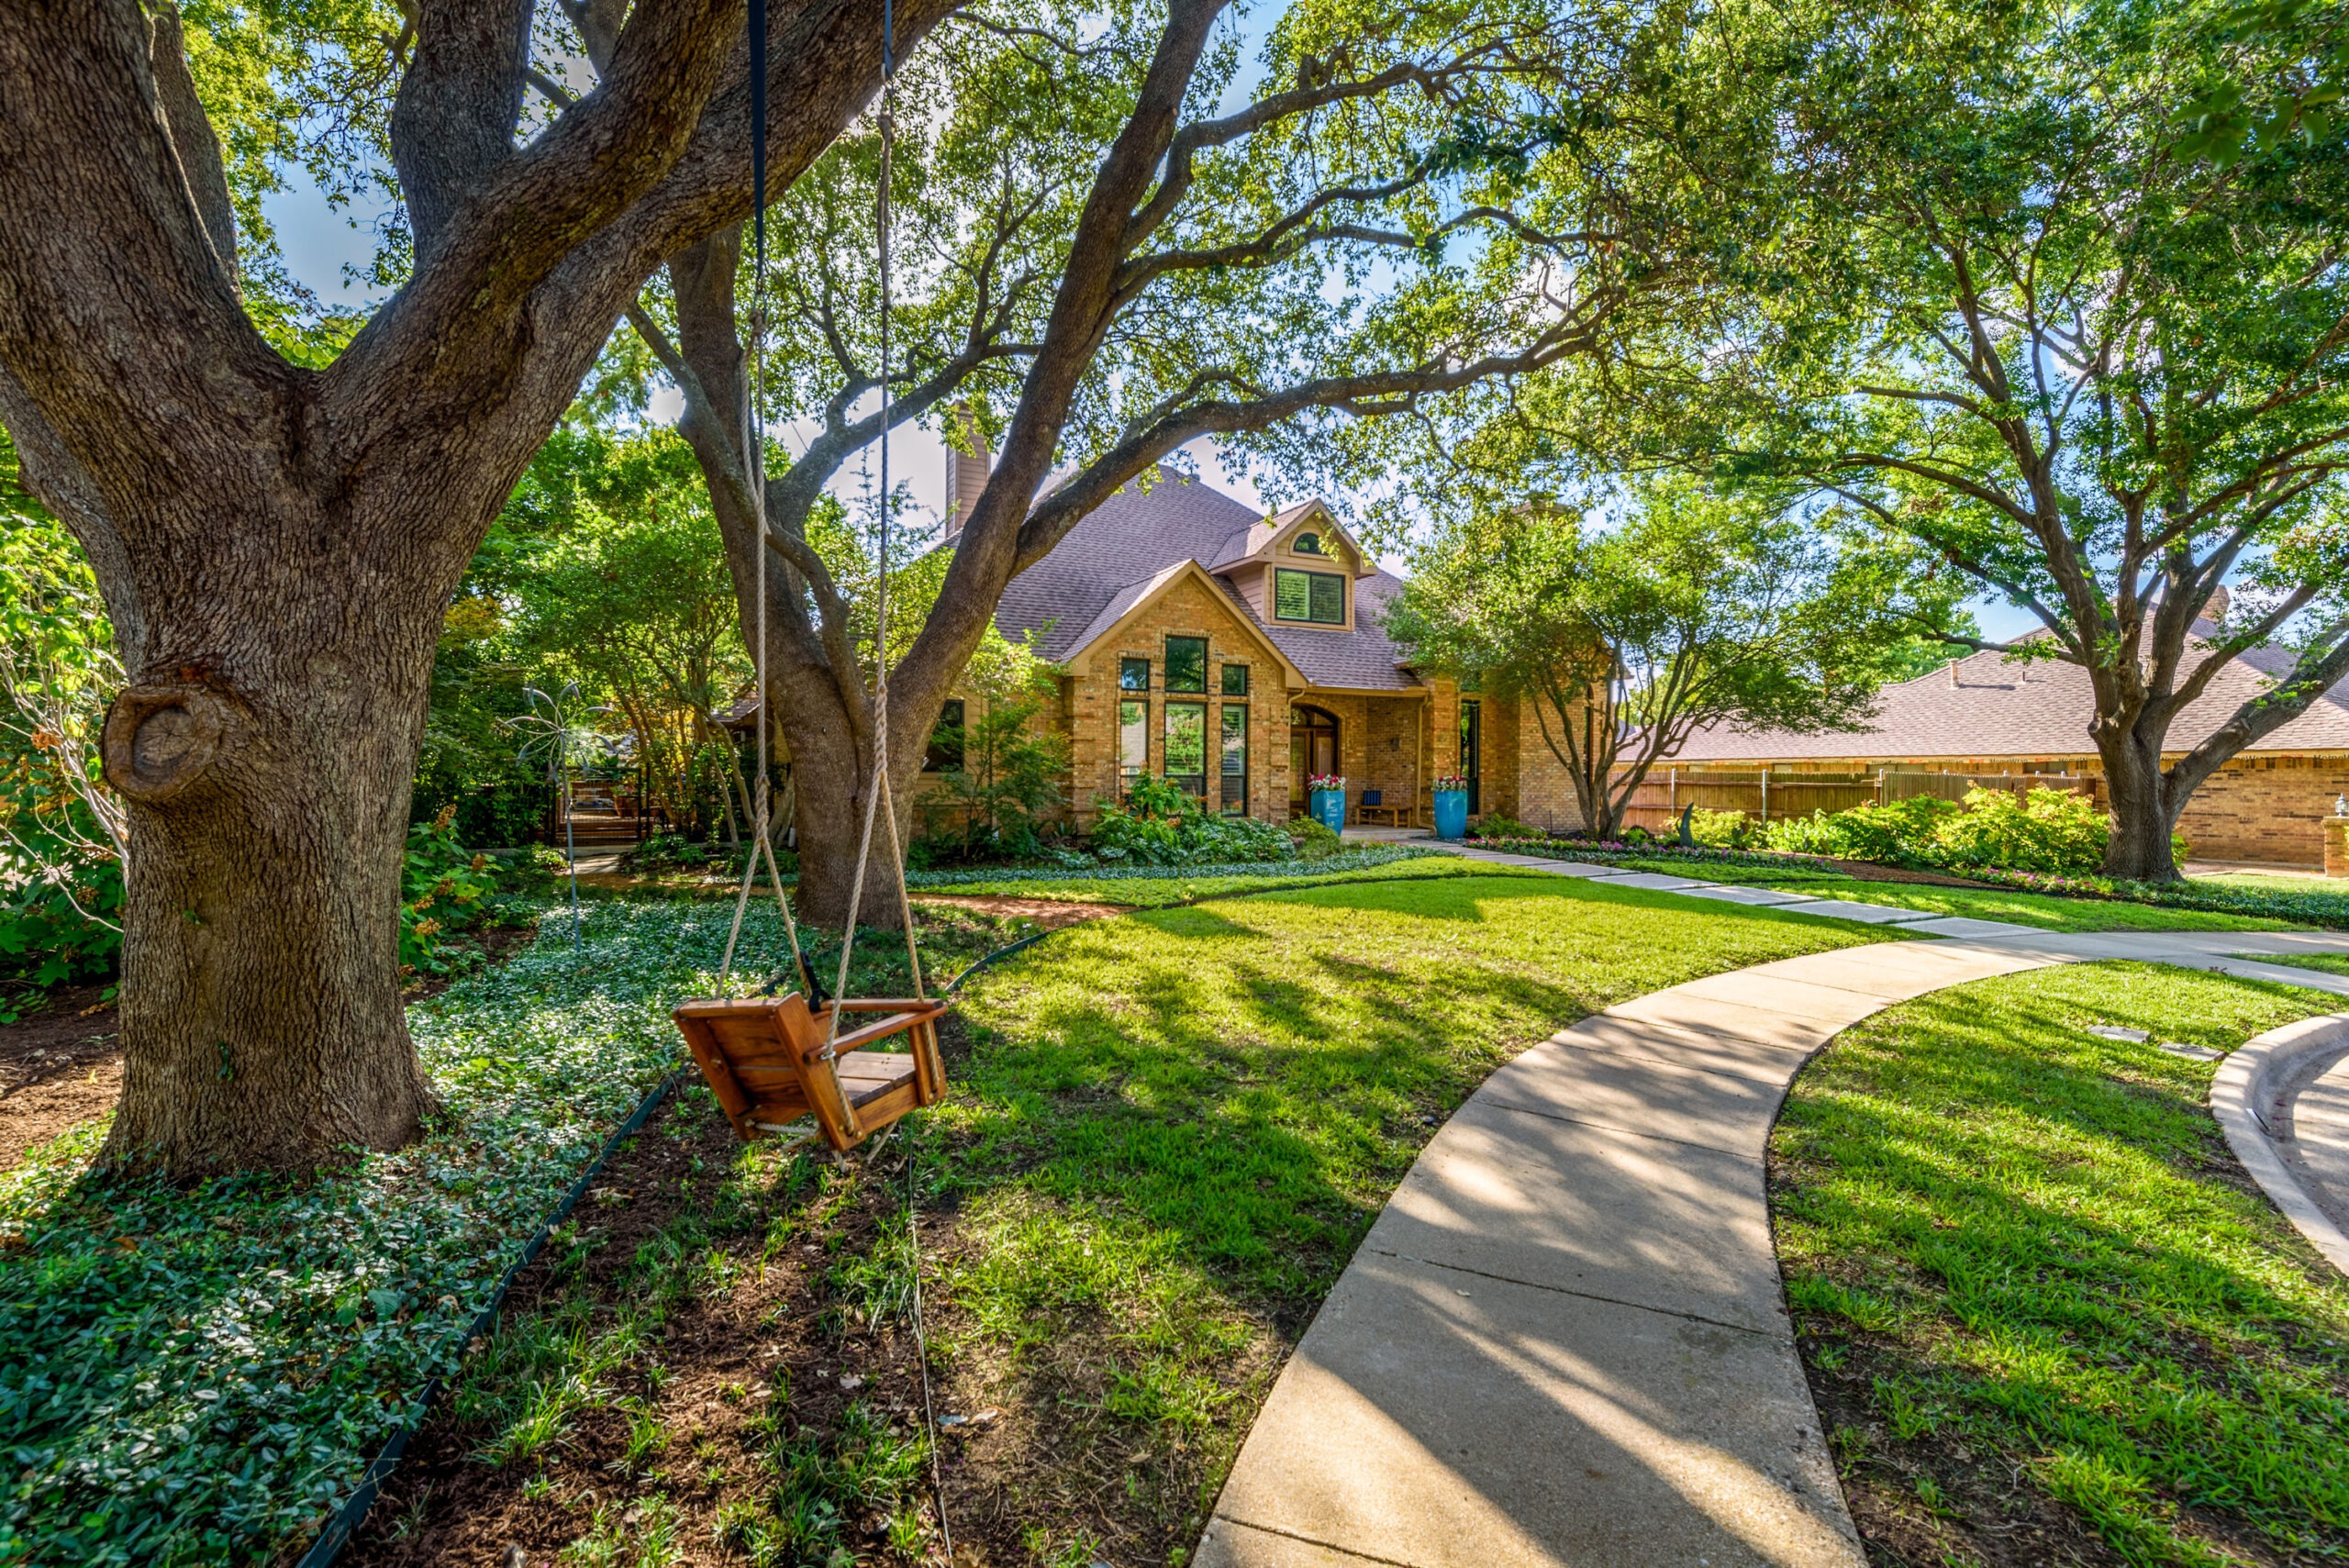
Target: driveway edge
x,y
2246,1095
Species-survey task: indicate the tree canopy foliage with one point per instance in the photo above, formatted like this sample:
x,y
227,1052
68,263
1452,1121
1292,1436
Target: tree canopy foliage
x,y
1696,609
2004,310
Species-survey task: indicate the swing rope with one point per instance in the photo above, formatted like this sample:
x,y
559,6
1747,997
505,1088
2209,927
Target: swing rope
x,y
759,807
878,798
877,794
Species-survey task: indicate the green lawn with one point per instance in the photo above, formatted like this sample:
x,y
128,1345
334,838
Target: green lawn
x,y
1174,1128
1982,904
1166,1134
2032,908
2047,1317
2273,882
2331,962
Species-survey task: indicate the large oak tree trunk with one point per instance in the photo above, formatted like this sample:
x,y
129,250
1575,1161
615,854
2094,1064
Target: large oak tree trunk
x,y
2144,808
833,772
275,543
265,748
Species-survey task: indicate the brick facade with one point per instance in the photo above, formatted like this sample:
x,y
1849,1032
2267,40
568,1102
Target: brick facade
x,y
1091,696
2264,808
1395,743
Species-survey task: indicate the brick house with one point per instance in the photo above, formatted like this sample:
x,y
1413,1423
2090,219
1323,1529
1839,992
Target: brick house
x,y
1238,654
1985,715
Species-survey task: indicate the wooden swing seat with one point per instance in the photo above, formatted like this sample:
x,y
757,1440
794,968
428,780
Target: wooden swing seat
x,y
766,1061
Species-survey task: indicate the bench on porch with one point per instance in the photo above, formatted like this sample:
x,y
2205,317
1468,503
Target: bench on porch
x,y
1372,808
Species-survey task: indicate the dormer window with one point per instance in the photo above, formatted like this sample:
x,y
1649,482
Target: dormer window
x,y
1308,544
1316,597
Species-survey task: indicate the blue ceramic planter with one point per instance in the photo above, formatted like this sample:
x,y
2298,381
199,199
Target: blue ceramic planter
x,y
1330,809
1452,814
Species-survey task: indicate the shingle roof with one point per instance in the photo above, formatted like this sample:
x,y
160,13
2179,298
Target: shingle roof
x,y
1996,708
1126,547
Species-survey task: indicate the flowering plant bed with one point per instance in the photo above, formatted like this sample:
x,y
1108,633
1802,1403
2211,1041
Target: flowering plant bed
x,y
205,1374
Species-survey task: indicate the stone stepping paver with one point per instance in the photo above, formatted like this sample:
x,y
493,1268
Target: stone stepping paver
x,y
1564,1342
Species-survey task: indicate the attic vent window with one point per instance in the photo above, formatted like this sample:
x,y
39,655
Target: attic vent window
x,y
1308,544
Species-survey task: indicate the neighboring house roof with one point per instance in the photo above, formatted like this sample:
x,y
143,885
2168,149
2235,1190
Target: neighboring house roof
x,y
1996,708
1127,550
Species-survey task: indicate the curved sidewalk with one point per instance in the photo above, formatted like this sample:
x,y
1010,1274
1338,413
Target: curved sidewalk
x,y
1564,1341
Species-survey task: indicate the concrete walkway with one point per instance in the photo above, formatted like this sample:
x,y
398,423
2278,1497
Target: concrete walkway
x,y
1565,1340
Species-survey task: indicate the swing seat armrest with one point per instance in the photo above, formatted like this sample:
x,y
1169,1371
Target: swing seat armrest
x,y
902,1017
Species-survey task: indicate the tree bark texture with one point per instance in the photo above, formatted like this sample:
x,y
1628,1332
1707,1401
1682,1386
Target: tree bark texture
x,y
276,545
2145,806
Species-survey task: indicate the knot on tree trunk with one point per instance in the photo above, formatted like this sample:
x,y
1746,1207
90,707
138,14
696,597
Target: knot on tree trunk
x,y
161,738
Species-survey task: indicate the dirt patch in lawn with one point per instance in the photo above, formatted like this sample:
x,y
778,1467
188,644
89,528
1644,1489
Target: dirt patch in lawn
x,y
753,1401
57,1067
767,1404
1049,913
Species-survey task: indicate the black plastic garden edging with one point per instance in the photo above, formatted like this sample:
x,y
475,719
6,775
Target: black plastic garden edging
x,y
347,1519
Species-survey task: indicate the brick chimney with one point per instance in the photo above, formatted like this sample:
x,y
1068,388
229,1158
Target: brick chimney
x,y
966,473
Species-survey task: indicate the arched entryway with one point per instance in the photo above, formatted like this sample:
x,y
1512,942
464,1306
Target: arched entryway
x,y
1312,749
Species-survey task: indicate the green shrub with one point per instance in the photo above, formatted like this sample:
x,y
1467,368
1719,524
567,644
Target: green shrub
x,y
444,888
1895,831
666,852
1500,825
2047,830
1314,839
1720,829
1161,826
59,924
2050,830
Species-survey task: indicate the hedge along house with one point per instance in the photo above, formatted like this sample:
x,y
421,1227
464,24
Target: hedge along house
x,y
1238,655
1985,715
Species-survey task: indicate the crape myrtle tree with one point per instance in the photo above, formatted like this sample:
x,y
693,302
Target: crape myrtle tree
x,y
276,540
2097,363
1692,608
1108,250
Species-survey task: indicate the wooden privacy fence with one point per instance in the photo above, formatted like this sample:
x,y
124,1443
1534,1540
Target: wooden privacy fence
x,y
1656,805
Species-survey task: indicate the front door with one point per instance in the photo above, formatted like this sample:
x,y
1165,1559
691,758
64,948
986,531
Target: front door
x,y
1472,749
1313,752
